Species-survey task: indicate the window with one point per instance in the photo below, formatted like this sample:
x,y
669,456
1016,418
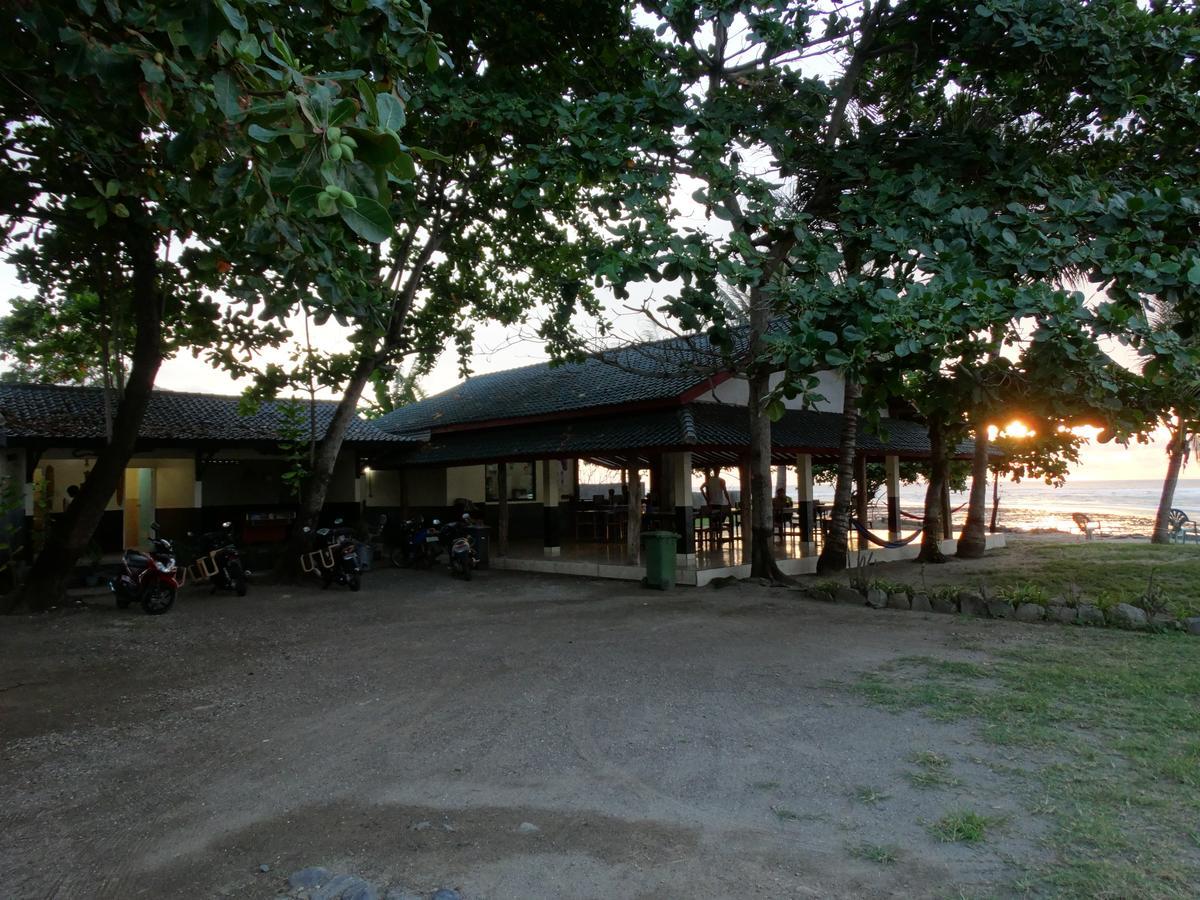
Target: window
x,y
520,482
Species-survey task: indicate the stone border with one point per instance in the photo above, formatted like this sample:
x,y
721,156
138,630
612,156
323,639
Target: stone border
x,y
974,603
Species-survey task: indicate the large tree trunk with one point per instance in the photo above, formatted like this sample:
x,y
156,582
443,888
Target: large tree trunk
x,y
973,541
762,548
1175,452
931,536
835,551
316,486
995,500
47,580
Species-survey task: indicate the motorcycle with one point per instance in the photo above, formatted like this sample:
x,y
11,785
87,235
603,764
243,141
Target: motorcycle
x,y
463,558
336,556
148,578
219,560
418,545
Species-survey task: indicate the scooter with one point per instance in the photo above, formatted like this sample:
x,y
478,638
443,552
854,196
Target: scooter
x,y
219,561
335,557
147,578
462,550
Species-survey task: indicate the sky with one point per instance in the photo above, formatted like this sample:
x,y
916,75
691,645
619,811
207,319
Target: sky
x,y
498,348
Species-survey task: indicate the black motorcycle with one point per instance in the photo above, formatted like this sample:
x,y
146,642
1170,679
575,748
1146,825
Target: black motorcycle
x,y
335,557
218,559
148,578
417,544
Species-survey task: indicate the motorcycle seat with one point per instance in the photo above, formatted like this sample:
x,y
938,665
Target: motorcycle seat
x,y
136,559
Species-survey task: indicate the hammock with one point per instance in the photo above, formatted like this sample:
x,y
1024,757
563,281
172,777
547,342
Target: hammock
x,y
921,518
880,542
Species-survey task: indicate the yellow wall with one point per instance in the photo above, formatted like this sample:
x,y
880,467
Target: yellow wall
x,y
465,482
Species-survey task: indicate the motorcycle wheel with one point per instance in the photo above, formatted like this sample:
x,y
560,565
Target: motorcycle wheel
x,y
160,598
397,559
354,581
237,579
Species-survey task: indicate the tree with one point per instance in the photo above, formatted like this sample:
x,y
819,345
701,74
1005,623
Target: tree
x,y
115,116
487,209
1045,452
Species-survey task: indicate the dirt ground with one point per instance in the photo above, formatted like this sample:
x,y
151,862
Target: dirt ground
x,y
695,743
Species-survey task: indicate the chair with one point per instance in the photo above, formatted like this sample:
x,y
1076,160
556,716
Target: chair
x,y
1183,529
1087,525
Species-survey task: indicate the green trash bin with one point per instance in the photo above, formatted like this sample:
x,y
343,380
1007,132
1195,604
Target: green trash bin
x,y
660,559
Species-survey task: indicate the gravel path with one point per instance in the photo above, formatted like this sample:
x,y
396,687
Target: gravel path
x,y
517,736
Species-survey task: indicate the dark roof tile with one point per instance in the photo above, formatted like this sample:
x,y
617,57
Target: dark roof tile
x,y
52,412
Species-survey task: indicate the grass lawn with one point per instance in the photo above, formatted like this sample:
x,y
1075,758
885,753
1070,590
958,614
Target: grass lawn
x,y
1104,572
1102,730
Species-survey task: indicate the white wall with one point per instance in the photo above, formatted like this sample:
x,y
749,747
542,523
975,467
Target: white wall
x,y
735,391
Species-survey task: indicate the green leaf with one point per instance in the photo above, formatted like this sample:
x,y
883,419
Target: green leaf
x,y
428,154
836,357
266,135
376,149
391,112
404,167
431,56
368,220
235,18
1193,275
152,72
342,110
226,92
303,198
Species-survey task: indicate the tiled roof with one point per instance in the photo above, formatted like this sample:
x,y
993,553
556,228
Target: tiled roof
x,y
51,412
715,431
655,371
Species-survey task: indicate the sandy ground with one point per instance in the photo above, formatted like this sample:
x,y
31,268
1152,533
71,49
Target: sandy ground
x,y
695,743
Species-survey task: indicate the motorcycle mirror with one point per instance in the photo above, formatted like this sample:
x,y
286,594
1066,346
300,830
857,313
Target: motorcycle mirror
x,y
437,521
226,524
337,521
191,534
307,529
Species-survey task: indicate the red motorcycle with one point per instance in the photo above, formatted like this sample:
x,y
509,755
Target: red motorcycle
x,y
148,578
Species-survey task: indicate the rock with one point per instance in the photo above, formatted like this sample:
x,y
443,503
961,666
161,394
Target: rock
x,y
399,893
446,826
364,891
264,868
876,599
1030,612
445,894
944,605
527,828
1062,614
898,600
344,887
1192,625
1088,614
313,876
421,826
1000,609
972,604
848,595
1126,615
920,603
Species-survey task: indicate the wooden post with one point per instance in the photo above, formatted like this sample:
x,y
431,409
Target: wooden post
x,y
633,525
892,464
746,511
947,527
501,509
805,508
551,522
860,489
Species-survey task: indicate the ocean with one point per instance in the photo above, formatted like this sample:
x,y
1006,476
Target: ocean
x,y
1124,507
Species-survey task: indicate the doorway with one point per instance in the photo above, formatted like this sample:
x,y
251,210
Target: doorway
x,y
139,505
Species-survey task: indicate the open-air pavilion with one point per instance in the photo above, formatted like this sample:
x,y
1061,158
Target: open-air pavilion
x,y
658,414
